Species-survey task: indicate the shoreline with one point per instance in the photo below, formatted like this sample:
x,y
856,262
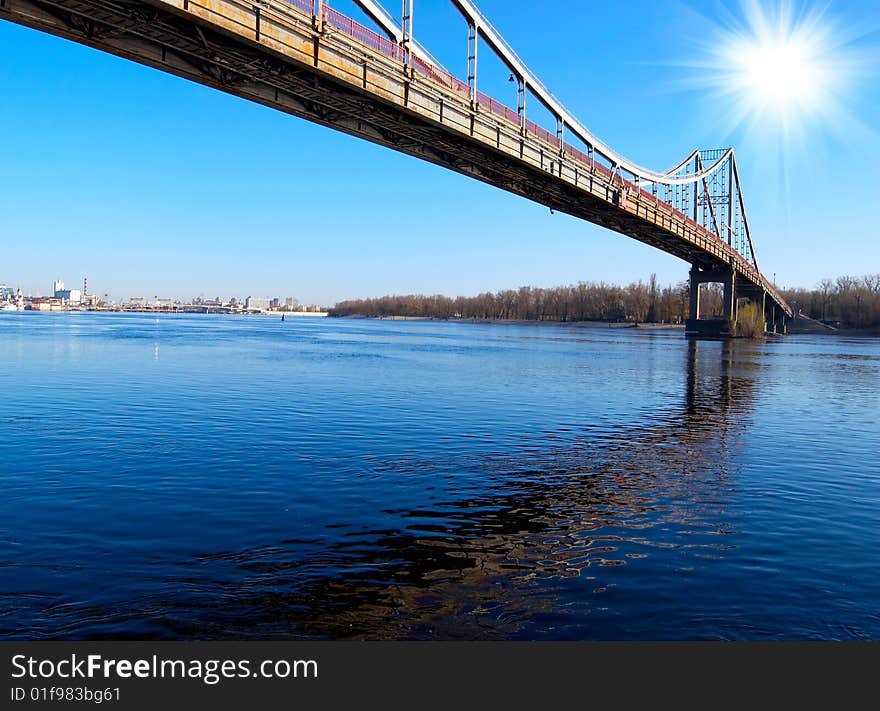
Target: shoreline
x,y
526,322
794,330
805,328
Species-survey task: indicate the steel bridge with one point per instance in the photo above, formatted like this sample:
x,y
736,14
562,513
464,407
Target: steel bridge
x,y
305,58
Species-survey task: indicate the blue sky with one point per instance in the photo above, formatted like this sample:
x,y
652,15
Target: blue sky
x,y
151,185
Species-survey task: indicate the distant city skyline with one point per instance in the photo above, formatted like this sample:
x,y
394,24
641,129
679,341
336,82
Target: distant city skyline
x,y
175,190
58,285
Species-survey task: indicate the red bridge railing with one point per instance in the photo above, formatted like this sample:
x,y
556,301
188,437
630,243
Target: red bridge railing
x,y
441,77
497,108
362,34
541,134
307,6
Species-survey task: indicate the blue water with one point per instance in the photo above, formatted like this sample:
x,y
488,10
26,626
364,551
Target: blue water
x,y
226,477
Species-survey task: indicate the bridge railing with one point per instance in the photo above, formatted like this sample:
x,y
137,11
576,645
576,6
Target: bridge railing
x,y
542,134
307,6
497,108
362,34
441,77
577,154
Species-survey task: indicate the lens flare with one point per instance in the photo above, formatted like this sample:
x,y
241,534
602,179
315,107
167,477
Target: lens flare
x,y
780,67
782,73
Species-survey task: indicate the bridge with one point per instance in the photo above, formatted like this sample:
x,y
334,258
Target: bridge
x,y
307,59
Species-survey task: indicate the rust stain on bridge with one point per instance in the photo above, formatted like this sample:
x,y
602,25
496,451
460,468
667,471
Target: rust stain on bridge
x,y
308,60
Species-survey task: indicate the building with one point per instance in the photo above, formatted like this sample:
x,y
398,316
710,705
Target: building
x,y
45,303
7,293
256,303
72,297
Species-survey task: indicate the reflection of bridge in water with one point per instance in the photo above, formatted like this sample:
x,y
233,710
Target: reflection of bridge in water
x,y
570,525
307,59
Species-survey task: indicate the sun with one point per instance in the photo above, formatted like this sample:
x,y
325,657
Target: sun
x,y
779,71
779,66
781,74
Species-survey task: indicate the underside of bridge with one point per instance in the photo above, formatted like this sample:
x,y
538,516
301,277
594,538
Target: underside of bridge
x,y
306,83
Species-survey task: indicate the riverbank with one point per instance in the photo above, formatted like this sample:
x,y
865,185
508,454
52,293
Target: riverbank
x,y
526,322
805,326
796,327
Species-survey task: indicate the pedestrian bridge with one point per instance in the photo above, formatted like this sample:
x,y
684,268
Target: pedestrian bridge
x,y
305,58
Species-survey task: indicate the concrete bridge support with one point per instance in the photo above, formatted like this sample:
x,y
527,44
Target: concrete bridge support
x,y
723,327
775,318
730,297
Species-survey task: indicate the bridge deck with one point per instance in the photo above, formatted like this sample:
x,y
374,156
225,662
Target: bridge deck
x,y
340,74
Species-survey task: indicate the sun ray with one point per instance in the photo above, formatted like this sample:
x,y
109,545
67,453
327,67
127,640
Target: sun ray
x,y
780,75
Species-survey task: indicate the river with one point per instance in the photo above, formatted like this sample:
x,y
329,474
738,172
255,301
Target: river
x,y
211,477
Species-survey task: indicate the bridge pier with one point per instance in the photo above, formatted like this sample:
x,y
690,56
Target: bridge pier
x,y
776,320
729,296
694,312
723,327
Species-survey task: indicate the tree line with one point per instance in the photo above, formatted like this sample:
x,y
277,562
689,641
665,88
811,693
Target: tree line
x,y
585,301
852,302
